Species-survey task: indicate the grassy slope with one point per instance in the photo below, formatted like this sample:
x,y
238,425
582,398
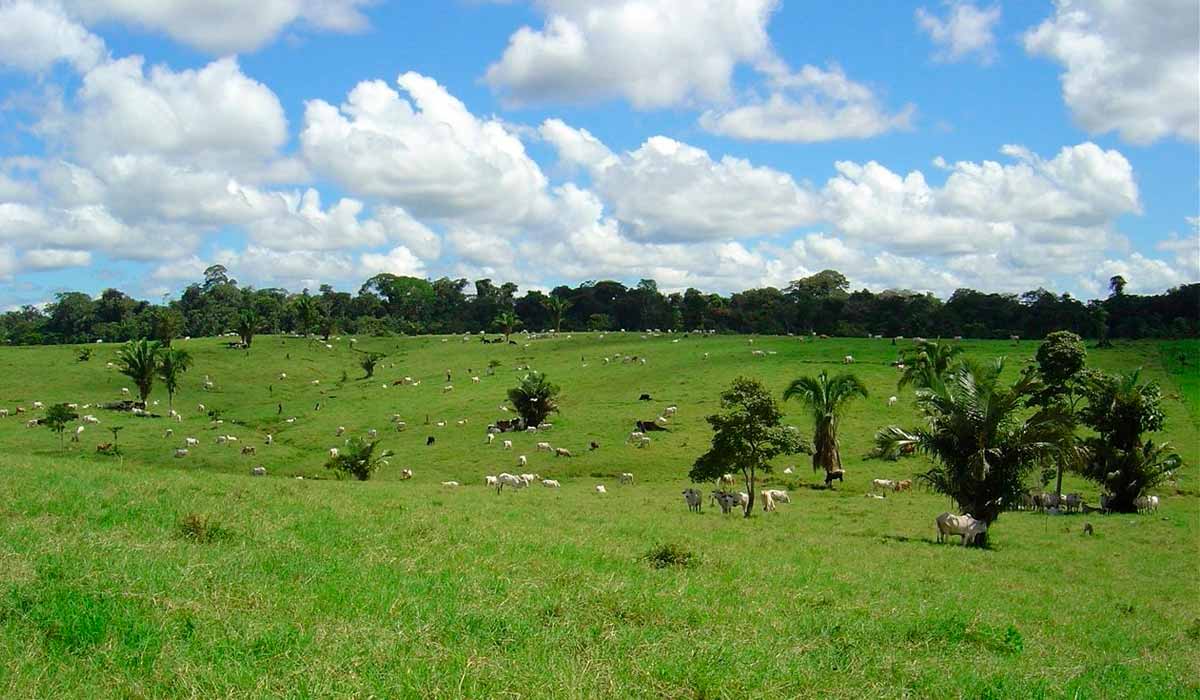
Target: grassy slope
x,y
321,587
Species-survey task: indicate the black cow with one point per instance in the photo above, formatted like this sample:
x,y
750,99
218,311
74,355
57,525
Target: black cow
x,y
429,440
645,397
647,426
835,475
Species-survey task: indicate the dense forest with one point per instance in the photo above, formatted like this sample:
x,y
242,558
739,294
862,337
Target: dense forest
x,y
388,304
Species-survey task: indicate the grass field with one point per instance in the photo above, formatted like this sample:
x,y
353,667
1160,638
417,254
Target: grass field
x,y
143,575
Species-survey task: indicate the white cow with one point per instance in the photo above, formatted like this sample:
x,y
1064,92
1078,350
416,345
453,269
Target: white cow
x,y
491,437
180,453
892,400
964,526
507,444
544,447
626,478
405,474
726,480
550,483
789,470
490,481
779,495
600,488
883,484
768,503
451,484
269,439
848,360
191,442
507,479
333,452
341,430
522,460
561,452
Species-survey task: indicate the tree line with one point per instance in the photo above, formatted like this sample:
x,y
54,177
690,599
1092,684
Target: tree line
x,y
388,304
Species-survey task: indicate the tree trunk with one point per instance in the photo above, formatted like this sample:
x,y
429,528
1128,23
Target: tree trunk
x,y
749,476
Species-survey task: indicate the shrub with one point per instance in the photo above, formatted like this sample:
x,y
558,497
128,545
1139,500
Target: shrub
x,y
358,459
664,555
201,528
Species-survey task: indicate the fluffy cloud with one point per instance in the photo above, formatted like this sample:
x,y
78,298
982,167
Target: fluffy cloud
x,y
225,26
654,53
669,191
809,106
1030,209
1143,275
304,225
1130,67
965,30
55,259
429,155
36,35
207,117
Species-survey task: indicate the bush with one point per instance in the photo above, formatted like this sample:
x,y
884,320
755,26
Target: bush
x,y
202,529
664,555
358,459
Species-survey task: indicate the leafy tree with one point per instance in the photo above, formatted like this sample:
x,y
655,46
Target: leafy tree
x,y
247,325
166,324
746,437
56,419
138,360
557,307
83,354
927,363
1060,361
599,322
827,399
535,398
358,459
506,322
1116,285
980,439
1119,409
172,363
307,313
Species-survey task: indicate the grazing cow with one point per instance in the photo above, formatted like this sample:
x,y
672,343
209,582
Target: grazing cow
x,y
248,450
550,483
892,400
670,411
258,471
90,419
726,480
451,484
491,437
544,447
767,501
490,481
341,430
104,447
78,433
645,397
779,495
124,391
430,440
593,445
883,484
191,442
758,353
848,360
522,460
169,433
788,470
269,439
965,526
726,500
372,433
693,499
643,441
904,485
447,388
180,453
475,380
600,488
835,475
507,444
507,479
530,478
405,474
561,452
333,452
626,478
1074,502
1153,504
635,436
647,426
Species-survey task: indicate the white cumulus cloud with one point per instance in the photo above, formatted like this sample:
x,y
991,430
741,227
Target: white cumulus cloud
x,y
965,30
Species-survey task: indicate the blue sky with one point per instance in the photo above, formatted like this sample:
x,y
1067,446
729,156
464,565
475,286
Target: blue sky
x,y
721,144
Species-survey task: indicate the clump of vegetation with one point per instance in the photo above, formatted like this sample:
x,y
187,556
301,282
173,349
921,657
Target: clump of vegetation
x,y
202,529
247,325
980,437
1120,408
747,436
535,398
358,459
83,354
662,556
506,323
368,362
56,419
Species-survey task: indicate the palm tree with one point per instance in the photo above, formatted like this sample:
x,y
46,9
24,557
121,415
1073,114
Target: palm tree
x,y
534,398
507,322
247,325
980,437
173,363
929,361
827,399
557,306
358,459
138,360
